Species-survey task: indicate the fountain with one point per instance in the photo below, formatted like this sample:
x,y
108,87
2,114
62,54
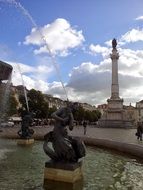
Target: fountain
x,y
102,170
65,165
73,170
25,132
22,168
27,14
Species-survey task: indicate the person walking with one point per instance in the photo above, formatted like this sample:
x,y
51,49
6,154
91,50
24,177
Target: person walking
x,y
84,127
139,130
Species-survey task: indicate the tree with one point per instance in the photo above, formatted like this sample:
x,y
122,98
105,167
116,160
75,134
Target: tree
x,y
91,116
12,108
38,104
22,101
51,110
79,114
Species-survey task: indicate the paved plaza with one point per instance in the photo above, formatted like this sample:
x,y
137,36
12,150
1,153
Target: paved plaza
x,y
119,135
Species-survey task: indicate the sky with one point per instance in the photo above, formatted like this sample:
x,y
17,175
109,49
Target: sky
x,y
62,48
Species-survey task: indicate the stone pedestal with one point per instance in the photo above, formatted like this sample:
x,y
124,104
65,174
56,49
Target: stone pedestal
x,y
115,116
64,175
25,141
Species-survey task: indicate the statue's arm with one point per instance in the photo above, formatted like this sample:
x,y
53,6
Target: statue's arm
x,y
56,115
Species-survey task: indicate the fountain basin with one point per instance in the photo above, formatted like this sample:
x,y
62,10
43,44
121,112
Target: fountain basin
x,y
22,168
132,147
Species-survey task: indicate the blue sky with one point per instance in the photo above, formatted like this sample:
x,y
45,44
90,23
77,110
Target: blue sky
x,y
78,34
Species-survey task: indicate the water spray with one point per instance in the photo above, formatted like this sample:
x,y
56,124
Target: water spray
x,y
26,13
24,88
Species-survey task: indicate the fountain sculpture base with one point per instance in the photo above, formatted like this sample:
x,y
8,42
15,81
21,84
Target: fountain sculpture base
x,y
66,175
25,141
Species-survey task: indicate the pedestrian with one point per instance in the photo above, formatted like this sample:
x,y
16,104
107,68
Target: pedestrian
x,y
139,131
84,127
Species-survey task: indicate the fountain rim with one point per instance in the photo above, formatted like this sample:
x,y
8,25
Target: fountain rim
x,y
127,148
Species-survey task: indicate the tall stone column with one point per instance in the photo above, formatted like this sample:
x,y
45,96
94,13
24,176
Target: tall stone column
x,y
115,115
115,85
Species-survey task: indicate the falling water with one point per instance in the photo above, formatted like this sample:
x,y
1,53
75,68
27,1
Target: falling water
x,y
24,88
26,13
5,98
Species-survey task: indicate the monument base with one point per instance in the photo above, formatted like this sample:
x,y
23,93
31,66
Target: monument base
x,y
115,124
25,141
115,116
64,175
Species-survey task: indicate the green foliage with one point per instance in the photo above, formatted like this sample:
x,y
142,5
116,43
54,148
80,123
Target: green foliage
x,y
12,108
38,104
22,101
79,114
91,116
51,110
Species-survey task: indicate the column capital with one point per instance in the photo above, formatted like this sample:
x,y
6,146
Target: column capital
x,y
114,54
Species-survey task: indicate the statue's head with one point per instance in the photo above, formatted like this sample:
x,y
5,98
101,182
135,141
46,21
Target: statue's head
x,y
74,106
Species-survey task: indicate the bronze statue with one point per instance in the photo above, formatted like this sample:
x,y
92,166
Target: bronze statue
x,y
27,119
65,148
114,43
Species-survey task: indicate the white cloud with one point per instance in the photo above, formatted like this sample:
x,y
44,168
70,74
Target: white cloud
x,y
130,62
109,43
139,18
133,35
57,90
36,77
95,49
92,83
88,82
58,36
32,75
